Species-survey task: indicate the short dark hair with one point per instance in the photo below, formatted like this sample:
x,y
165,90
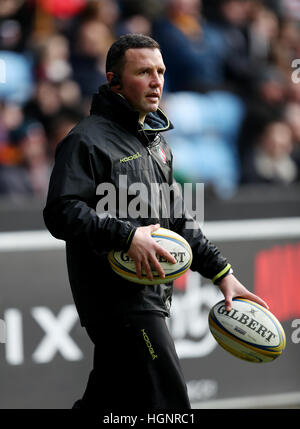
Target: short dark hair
x,y
116,53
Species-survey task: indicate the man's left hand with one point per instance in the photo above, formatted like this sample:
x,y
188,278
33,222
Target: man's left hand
x,y
232,288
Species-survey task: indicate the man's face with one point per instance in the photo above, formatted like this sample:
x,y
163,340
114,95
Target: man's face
x,y
143,79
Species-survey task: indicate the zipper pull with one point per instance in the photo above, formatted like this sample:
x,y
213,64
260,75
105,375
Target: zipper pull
x,y
142,131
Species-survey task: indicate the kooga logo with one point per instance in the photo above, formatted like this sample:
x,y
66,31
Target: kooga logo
x,y
131,157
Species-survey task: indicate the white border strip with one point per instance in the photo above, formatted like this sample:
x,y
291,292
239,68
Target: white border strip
x,y
28,240
254,229
281,400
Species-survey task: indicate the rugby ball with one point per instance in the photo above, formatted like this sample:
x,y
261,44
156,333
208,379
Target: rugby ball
x,y
176,245
248,331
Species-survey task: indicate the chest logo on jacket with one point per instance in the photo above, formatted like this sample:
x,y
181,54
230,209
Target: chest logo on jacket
x,y
161,154
131,157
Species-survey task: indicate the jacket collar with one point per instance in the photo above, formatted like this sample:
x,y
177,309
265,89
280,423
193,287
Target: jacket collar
x,y
113,106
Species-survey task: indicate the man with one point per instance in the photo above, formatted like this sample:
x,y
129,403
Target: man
x,y
135,362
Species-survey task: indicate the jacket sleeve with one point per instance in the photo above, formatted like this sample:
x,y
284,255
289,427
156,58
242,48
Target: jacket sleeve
x,y
69,214
207,259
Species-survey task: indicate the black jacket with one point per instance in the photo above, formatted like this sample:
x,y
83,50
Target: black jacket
x,y
108,144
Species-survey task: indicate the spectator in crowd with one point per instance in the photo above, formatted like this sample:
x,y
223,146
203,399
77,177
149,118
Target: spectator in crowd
x,y
45,103
61,124
266,103
137,17
24,165
193,50
270,160
287,46
53,63
248,29
11,118
52,99
93,40
263,33
292,116
16,22
33,144
105,11
291,8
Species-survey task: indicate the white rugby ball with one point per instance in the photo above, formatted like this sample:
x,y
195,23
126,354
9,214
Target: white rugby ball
x,y
248,331
176,245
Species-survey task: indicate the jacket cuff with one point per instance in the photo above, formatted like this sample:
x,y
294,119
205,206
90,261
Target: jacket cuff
x,y
129,239
225,272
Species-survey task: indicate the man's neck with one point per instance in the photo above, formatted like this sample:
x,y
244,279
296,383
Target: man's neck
x,y
142,118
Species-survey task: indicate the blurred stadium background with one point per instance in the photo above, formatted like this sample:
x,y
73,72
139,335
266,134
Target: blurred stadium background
x,y
233,93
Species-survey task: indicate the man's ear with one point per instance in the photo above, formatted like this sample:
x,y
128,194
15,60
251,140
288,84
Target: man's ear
x,y
113,79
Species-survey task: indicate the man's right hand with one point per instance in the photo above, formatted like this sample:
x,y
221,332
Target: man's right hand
x,y
143,250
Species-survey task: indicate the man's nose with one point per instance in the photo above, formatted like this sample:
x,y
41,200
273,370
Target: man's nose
x,y
156,80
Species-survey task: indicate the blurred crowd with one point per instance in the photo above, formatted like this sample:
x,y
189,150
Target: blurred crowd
x,y
232,85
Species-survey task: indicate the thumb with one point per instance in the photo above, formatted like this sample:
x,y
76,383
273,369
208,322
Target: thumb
x,y
228,302
154,227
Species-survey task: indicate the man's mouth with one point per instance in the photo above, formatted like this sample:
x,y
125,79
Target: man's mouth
x,y
153,97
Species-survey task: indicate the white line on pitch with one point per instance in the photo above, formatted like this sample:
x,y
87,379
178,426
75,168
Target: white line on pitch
x,y
253,229
279,400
